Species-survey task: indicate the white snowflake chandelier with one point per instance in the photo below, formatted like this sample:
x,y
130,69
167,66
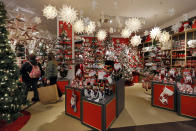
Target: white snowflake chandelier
x,y
68,14
134,24
155,33
125,33
79,26
136,40
49,12
164,37
101,35
90,28
176,27
37,20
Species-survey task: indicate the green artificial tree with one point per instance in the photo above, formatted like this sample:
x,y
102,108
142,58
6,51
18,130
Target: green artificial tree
x,y
12,93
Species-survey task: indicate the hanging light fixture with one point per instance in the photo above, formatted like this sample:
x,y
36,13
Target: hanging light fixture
x,y
90,28
68,14
136,40
134,24
79,26
101,35
49,12
125,33
164,37
155,33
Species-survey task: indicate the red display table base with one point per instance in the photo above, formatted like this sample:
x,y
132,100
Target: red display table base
x,y
187,105
100,115
61,85
68,109
157,90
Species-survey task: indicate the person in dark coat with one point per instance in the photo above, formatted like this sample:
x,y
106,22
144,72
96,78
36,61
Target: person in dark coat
x,y
31,83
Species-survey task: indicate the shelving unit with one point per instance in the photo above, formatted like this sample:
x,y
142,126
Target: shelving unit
x,y
181,53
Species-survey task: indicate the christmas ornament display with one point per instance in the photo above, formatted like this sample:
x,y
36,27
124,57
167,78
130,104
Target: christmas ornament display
x,y
136,40
50,12
68,14
134,24
79,26
101,35
125,33
155,33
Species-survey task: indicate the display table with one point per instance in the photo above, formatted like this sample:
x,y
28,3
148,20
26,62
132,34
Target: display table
x,y
99,115
158,91
187,105
61,85
120,95
68,108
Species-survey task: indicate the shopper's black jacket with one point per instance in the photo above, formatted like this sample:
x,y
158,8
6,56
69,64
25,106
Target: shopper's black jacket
x,y
26,69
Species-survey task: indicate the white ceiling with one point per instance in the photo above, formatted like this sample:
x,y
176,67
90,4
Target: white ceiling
x,y
155,12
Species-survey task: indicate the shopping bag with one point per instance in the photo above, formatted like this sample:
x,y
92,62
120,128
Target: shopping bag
x,y
48,94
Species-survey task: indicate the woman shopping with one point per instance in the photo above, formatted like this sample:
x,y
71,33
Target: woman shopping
x,y
51,72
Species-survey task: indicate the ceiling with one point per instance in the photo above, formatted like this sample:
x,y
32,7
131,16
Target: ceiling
x,y
154,12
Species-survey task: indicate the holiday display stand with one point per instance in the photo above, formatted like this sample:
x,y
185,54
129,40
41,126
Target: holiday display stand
x,y
120,96
99,115
68,107
186,105
164,95
61,84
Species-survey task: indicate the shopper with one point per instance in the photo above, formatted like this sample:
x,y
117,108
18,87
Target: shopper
x,y
31,83
51,72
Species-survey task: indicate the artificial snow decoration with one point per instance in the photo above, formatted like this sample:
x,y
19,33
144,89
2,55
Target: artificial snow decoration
x,y
176,27
79,26
134,24
136,40
68,14
37,20
50,12
125,33
101,35
164,38
171,11
146,33
90,28
155,33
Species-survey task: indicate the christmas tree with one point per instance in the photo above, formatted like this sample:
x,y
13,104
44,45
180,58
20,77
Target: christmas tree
x,y
12,93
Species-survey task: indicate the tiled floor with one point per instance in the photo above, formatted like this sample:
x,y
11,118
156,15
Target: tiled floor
x,y
138,111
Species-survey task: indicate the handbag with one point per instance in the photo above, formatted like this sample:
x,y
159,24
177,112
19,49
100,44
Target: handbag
x,y
48,94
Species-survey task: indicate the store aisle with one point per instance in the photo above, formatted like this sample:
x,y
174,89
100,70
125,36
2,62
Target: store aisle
x,y
138,111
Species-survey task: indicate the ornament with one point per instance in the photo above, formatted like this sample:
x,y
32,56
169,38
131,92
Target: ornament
x,y
79,26
176,27
125,33
68,14
155,33
146,33
50,12
37,20
164,37
90,28
134,24
101,35
136,40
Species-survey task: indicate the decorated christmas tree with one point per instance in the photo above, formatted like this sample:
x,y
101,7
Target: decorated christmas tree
x,y
12,93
